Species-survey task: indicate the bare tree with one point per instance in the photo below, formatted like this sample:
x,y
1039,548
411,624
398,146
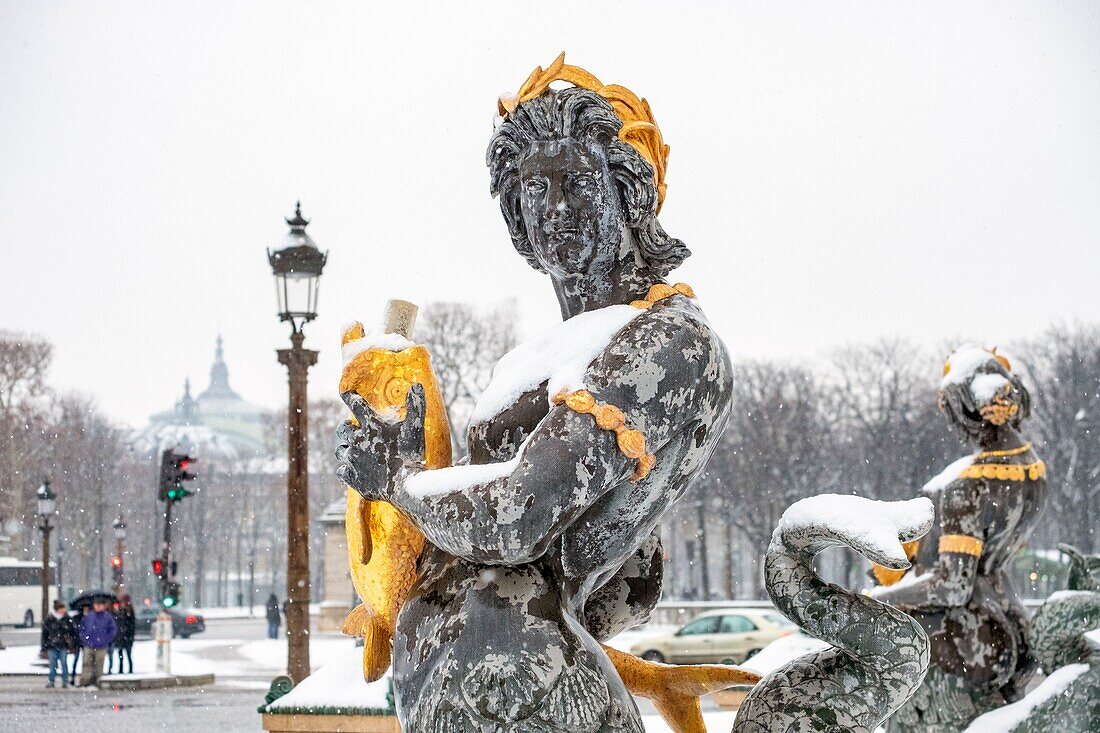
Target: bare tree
x,y
1064,365
465,345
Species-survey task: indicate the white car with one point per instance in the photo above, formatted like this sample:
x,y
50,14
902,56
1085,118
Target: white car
x,y
723,636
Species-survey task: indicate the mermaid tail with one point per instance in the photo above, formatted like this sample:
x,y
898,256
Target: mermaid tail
x,y
880,654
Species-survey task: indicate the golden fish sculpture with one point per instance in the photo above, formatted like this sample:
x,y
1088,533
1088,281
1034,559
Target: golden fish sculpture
x,y
383,546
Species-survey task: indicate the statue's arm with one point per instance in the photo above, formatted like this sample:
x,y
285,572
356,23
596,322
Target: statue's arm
x,y
511,512
950,582
565,466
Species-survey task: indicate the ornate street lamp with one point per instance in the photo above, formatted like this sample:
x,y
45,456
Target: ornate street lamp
x,y
297,268
47,507
117,567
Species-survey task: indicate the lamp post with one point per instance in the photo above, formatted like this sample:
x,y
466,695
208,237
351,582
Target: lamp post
x,y
297,268
117,563
47,507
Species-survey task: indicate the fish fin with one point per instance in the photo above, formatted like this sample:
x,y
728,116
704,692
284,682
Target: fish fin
x,y
376,649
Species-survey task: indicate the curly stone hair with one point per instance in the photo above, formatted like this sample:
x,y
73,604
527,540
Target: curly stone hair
x,y
585,116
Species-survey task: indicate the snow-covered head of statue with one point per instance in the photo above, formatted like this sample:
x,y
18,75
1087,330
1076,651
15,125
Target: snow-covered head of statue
x,y
577,200
980,394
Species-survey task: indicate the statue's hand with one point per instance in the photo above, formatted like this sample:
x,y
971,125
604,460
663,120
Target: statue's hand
x,y
376,453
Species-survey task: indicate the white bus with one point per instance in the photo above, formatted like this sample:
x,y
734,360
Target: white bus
x,y
21,591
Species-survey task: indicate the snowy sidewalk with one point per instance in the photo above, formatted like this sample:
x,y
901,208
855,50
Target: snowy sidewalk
x,y
225,658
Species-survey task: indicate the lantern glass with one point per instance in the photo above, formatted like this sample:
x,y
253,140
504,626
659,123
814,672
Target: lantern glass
x,y
297,268
47,501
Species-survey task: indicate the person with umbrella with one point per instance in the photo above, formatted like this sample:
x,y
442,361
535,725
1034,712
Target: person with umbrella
x,y
97,631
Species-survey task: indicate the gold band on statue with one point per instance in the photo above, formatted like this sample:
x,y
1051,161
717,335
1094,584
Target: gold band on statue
x,y
631,443
660,291
963,544
1013,452
1006,471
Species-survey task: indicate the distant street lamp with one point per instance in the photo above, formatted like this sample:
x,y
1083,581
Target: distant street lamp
x,y
117,566
47,507
297,268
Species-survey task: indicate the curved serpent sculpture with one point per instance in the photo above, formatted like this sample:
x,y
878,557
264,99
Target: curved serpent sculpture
x,y
880,655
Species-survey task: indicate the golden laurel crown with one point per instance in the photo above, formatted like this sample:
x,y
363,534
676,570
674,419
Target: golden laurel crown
x,y
639,128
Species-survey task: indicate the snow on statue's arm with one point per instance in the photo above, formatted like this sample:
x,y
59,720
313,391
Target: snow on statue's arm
x,y
511,512
951,581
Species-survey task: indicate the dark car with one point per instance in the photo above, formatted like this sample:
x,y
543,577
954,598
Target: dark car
x,y
184,622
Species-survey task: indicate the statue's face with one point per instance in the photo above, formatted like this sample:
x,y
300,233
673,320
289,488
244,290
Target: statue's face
x,y
570,207
987,396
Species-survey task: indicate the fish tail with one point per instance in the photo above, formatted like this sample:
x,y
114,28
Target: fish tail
x,y
377,637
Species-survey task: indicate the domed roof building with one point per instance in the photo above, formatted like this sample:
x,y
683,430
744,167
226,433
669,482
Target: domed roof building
x,y
218,422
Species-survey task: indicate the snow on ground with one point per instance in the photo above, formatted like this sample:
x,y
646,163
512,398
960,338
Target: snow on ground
x,y
223,657
720,721
338,683
783,650
1006,718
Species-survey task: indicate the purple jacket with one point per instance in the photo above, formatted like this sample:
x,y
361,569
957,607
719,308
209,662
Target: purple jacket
x,y
97,629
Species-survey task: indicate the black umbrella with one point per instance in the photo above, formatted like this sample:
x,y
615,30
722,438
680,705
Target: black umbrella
x,y
86,599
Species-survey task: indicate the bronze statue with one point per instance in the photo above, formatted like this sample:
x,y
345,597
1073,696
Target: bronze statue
x,y
545,543
988,505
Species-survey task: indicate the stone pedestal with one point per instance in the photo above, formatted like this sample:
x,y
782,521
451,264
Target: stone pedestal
x,y
338,596
274,723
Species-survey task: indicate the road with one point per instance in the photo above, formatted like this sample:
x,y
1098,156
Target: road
x,y
28,707
228,705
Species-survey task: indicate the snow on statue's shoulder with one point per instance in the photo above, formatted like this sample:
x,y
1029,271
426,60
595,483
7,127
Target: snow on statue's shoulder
x,y
874,525
560,355
949,474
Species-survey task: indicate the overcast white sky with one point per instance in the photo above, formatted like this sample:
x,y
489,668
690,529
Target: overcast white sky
x,y
842,171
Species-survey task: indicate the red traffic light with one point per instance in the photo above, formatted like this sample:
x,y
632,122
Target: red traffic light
x,y
158,568
116,561
184,463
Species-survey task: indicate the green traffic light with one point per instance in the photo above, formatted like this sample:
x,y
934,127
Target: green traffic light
x,y
169,601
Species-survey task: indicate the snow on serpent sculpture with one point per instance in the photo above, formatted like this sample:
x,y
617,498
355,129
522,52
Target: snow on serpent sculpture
x,y
880,654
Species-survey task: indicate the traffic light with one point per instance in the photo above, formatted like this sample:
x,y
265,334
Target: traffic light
x,y
171,596
116,561
173,473
158,568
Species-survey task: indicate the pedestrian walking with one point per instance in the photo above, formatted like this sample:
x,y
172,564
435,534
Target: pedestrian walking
x,y
124,638
97,631
58,636
274,618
